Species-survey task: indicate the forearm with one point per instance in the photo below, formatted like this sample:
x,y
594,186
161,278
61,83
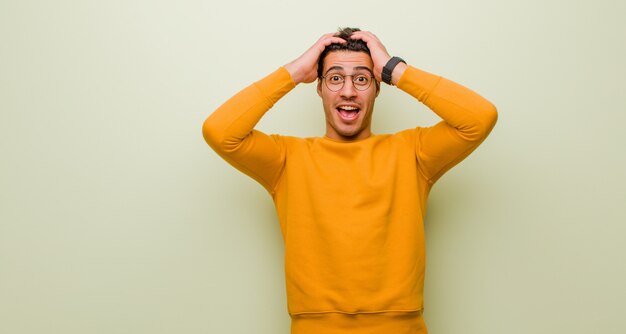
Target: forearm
x,y
226,127
471,115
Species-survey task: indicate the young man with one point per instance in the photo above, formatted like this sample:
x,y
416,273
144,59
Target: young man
x,y
351,203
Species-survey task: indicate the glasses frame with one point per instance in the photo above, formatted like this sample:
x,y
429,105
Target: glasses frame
x,y
359,88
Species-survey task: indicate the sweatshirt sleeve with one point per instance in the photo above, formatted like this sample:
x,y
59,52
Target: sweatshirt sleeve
x,y
468,118
229,130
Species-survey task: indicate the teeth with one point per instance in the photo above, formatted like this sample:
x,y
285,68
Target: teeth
x,y
348,108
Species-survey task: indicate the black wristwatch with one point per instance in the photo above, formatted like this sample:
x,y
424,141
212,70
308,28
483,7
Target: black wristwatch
x,y
388,69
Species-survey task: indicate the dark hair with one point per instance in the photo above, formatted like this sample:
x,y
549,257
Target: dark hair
x,y
351,45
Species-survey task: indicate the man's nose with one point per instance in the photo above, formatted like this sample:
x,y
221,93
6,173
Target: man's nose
x,y
348,89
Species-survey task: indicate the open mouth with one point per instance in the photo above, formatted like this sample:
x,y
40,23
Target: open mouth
x,y
348,113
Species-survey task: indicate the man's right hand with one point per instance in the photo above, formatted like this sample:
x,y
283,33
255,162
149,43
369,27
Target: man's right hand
x,y
304,68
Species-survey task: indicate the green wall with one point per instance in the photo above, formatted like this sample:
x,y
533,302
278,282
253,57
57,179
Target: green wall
x,y
116,217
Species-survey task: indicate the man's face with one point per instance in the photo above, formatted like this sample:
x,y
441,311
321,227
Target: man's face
x,y
348,110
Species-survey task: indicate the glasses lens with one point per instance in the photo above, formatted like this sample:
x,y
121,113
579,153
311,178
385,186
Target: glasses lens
x,y
361,81
334,82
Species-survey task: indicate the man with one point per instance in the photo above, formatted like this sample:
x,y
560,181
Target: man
x,y
351,203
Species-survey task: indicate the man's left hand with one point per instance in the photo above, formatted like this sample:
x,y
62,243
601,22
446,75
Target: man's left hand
x,y
379,55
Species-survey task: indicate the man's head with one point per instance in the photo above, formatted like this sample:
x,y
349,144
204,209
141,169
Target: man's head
x,y
347,87
355,45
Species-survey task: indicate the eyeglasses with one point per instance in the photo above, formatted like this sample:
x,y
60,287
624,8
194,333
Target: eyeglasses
x,y
335,82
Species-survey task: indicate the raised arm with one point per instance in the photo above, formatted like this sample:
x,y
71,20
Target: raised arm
x,y
229,130
468,118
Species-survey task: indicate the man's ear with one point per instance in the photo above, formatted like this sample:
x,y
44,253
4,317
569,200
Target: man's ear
x,y
377,88
319,87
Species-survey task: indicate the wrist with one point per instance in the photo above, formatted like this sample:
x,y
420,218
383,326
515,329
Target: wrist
x,y
390,68
294,73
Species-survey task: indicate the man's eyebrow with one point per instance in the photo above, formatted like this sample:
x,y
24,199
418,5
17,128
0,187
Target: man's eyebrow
x,y
364,68
333,68
337,67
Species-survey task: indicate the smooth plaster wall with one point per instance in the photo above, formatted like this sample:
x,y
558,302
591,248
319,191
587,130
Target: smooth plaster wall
x,y
116,217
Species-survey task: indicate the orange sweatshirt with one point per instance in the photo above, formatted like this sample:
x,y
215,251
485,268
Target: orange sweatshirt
x,y
351,213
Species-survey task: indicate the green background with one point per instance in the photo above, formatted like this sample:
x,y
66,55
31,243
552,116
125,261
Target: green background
x,y
116,217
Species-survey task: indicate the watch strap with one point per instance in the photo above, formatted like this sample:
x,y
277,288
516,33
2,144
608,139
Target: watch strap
x,y
388,69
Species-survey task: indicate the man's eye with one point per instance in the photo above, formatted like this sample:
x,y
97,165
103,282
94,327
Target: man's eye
x,y
361,80
336,78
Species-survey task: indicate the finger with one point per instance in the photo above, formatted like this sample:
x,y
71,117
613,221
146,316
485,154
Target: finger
x,y
329,35
366,35
370,39
367,39
362,34
332,40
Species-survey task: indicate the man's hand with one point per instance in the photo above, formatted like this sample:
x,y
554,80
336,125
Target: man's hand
x,y
304,68
380,56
